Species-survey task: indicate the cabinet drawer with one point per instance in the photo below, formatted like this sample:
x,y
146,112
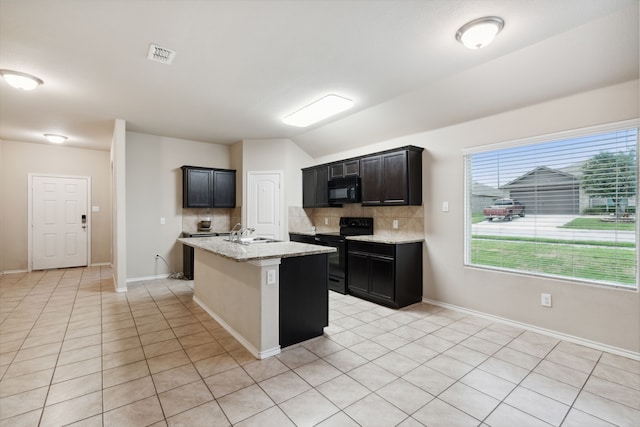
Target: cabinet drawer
x,y
372,248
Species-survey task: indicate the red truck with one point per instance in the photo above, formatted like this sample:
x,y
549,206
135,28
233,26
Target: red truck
x,y
504,209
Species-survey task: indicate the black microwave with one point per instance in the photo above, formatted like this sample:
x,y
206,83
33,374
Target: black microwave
x,y
344,190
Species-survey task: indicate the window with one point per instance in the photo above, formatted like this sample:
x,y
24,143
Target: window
x,y
556,206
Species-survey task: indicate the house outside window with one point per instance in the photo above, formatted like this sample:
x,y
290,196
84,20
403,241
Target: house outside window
x,y
561,206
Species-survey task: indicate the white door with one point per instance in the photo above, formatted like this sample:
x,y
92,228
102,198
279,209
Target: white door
x,y
263,203
59,222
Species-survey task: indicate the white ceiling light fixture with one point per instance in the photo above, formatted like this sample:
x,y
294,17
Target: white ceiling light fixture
x,y
20,80
55,139
479,32
324,107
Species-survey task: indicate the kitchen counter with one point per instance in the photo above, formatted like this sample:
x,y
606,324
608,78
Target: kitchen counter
x,y
375,238
266,295
389,239
253,252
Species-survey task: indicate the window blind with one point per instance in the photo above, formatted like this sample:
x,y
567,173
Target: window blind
x,y
562,208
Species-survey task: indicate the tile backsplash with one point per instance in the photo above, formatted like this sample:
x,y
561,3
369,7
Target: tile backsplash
x,y
410,218
221,219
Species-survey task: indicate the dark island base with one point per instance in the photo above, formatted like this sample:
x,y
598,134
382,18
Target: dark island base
x,y
304,298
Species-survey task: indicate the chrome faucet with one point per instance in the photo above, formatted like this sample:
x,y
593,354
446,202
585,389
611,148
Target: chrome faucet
x,y
246,230
235,232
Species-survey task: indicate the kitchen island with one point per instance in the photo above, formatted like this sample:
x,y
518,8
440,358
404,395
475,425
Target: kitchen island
x,y
267,295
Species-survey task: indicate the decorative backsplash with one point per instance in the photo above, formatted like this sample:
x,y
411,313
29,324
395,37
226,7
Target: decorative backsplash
x,y
410,218
221,219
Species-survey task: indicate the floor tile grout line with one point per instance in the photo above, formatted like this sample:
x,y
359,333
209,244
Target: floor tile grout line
x,y
474,368
158,300
520,384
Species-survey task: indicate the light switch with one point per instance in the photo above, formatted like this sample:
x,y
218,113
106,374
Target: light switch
x,y
271,277
445,206
162,221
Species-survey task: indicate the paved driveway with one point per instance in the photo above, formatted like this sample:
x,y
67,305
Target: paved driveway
x,y
546,226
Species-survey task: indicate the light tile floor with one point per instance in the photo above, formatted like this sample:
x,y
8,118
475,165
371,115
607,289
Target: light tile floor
x,y
74,351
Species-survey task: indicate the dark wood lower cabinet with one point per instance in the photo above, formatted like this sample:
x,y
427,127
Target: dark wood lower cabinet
x,y
304,298
388,274
302,238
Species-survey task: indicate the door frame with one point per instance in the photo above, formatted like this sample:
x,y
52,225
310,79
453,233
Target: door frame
x,y
245,197
30,177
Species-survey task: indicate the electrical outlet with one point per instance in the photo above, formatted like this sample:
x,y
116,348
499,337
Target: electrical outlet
x,y
395,223
326,221
545,300
271,277
445,206
162,221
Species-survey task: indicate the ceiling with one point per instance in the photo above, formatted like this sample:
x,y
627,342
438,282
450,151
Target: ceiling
x,y
241,66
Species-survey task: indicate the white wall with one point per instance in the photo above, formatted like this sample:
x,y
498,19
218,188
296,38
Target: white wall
x,y
154,191
277,155
118,205
21,158
1,212
596,313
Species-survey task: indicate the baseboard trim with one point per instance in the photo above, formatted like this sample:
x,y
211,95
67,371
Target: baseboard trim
x,y
555,334
115,284
144,278
254,351
100,264
13,272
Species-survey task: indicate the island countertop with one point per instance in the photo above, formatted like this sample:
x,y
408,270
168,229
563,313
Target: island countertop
x,y
258,251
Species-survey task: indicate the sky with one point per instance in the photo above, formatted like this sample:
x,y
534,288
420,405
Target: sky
x,y
499,167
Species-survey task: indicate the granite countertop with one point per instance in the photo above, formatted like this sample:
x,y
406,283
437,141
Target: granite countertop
x,y
389,239
304,233
376,238
256,251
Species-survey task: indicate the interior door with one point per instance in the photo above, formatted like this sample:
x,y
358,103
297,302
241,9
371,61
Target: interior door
x,y
263,204
59,222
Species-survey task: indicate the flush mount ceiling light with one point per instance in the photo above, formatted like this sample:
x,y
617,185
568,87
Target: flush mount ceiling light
x,y
56,139
20,80
479,32
324,107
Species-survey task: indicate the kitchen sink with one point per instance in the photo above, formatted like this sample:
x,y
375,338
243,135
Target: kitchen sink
x,y
253,240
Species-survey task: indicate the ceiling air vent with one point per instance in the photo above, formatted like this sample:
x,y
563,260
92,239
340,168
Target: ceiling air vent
x,y
161,54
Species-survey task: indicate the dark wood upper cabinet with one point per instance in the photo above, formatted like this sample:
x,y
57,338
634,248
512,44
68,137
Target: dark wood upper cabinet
x,y
224,188
387,178
315,191
208,188
392,178
346,168
371,180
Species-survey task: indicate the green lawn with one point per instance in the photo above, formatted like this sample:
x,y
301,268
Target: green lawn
x,y
568,260
596,224
476,217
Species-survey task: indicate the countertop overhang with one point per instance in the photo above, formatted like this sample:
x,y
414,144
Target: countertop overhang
x,y
258,251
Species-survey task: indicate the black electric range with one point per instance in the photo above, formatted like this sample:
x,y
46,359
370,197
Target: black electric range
x,y
349,226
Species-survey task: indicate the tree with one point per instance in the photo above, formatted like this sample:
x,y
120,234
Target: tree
x,y
611,176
